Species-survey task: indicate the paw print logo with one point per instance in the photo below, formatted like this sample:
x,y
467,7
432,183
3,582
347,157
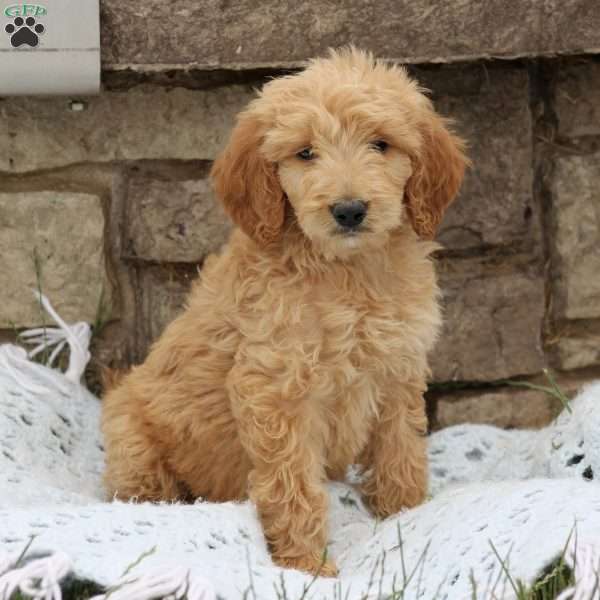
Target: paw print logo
x,y
24,32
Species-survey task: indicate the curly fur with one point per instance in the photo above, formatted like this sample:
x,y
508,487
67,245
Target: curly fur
x,y
302,350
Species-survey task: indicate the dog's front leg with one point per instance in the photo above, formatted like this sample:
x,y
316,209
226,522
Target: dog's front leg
x,y
397,453
275,424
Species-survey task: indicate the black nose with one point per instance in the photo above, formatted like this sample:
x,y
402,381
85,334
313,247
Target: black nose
x,y
349,213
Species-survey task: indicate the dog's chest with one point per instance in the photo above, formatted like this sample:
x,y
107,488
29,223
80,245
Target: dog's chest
x,y
358,330
358,327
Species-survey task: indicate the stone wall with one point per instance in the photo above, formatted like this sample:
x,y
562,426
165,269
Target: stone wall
x,y
105,202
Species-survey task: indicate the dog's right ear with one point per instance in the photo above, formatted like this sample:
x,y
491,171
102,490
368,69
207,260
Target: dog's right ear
x,y
437,174
247,183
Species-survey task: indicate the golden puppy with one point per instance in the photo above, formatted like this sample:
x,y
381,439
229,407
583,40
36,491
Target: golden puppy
x,y
303,348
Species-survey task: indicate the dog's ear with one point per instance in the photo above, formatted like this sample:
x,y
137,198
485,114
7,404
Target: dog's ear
x,y
247,183
438,171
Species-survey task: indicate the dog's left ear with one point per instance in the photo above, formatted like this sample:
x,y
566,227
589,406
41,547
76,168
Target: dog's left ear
x,y
438,171
247,183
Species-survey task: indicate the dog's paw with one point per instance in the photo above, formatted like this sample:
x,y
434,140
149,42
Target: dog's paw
x,y
383,505
309,564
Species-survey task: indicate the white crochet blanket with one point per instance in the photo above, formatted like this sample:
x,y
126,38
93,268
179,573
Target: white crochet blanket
x,y
517,495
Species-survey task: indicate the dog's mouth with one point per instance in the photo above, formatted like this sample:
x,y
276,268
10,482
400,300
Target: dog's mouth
x,y
350,232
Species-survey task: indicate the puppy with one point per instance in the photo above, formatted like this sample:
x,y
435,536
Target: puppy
x,y
303,347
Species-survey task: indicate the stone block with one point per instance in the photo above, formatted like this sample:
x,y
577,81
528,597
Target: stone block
x,y
507,407
492,322
577,99
173,221
502,407
54,240
576,243
578,348
490,107
163,292
145,122
212,34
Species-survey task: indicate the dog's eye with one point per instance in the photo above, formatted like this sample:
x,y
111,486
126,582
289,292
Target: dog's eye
x,y
379,145
306,154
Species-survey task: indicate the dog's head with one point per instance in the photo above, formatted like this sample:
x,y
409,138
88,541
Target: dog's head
x,y
352,145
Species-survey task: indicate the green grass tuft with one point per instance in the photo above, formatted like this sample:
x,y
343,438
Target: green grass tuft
x,y
556,578
552,390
